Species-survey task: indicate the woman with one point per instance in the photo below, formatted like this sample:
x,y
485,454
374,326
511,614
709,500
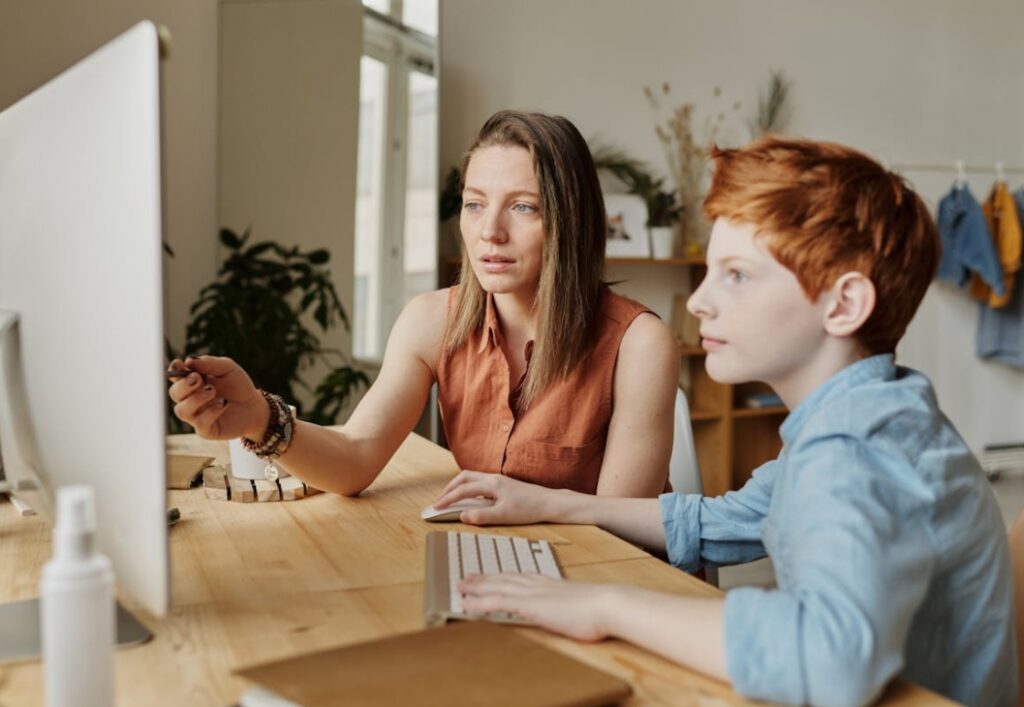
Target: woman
x,y
543,373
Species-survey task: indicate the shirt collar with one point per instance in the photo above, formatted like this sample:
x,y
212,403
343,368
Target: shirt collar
x,y
874,368
492,332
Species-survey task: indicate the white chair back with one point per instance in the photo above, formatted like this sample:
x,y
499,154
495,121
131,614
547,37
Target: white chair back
x,y
683,470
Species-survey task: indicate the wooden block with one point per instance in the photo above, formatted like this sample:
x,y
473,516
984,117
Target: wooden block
x,y
219,484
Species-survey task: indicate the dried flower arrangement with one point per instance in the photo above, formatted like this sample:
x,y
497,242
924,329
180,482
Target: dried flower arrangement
x,y
686,154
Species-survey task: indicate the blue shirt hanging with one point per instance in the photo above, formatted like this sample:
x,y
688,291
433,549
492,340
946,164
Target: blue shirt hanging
x,y
966,242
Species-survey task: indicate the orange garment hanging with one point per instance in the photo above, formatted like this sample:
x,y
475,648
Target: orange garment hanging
x,y
1001,217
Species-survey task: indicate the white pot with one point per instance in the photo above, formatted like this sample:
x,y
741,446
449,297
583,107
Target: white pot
x,y
662,240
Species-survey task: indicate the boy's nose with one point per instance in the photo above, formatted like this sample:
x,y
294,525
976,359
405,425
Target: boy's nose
x,y
698,304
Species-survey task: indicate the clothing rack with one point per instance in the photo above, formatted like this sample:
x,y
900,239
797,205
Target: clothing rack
x,y
957,167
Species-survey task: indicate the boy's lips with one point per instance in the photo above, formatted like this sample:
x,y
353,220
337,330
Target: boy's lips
x,y
710,343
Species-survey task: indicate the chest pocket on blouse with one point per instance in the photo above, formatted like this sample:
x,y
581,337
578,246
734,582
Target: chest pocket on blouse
x,y
558,466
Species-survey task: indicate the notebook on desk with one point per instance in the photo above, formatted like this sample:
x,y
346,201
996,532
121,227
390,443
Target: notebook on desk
x,y
466,663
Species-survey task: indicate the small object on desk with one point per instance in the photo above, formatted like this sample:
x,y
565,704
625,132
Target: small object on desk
x,y
469,664
219,484
76,607
454,512
451,556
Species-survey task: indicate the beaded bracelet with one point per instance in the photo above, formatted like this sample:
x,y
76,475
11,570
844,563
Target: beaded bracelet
x,y
280,429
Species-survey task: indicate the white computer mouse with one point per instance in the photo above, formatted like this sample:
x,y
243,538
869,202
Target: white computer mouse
x,y
453,512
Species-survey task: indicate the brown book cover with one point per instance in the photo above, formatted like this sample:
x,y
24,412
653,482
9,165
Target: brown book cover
x,y
465,663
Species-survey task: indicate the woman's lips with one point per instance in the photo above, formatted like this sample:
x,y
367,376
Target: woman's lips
x,y
496,263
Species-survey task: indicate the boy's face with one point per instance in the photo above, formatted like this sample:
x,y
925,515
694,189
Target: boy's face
x,y
756,321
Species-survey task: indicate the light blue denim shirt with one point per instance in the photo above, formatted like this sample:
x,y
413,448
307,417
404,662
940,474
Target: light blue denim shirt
x,y
890,552
967,244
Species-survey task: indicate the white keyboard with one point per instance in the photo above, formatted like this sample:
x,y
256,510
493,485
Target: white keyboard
x,y
454,555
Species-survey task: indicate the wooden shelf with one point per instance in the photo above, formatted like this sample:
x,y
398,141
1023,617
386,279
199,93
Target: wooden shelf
x,y
682,260
760,412
704,415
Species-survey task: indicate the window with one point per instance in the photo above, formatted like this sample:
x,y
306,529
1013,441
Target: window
x,y
396,203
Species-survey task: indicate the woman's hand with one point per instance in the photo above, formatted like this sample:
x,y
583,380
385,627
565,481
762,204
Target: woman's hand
x,y
515,502
218,399
573,609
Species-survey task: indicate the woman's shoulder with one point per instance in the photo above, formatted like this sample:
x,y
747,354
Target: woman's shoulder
x,y
621,308
431,304
422,322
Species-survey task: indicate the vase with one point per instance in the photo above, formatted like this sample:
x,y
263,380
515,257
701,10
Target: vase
x,y
662,241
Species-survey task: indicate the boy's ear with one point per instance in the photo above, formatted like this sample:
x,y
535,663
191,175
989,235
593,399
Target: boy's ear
x,y
852,300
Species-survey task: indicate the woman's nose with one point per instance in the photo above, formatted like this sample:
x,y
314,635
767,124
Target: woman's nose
x,y
493,228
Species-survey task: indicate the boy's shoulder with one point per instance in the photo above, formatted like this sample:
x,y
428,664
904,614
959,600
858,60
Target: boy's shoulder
x,y
865,408
898,415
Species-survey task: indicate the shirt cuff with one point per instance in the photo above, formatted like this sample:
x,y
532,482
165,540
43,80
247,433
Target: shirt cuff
x,y
680,516
762,655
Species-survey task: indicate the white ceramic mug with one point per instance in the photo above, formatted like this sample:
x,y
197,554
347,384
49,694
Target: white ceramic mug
x,y
246,465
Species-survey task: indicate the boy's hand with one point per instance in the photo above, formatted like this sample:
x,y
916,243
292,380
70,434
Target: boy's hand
x,y
573,609
515,502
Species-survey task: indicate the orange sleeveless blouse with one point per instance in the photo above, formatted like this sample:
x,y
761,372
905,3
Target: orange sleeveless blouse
x,y
559,440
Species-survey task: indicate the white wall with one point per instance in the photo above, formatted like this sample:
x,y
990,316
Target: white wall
x,y
289,113
39,39
919,81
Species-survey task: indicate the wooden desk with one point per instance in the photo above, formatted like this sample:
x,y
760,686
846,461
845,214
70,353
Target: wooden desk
x,y
259,581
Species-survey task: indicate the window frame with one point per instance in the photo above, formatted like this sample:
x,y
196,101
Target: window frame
x,y
402,50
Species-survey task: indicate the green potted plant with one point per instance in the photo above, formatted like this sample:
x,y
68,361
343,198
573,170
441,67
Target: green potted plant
x,y
258,310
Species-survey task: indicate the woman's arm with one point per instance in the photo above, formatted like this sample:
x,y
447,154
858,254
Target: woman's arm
x,y
220,401
644,391
346,461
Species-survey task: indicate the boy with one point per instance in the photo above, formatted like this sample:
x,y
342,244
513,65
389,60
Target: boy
x,y
889,550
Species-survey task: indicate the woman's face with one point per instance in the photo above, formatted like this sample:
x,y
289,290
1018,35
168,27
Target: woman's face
x,y
501,220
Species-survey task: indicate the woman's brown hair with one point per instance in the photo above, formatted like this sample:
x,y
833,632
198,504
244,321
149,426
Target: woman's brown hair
x,y
572,210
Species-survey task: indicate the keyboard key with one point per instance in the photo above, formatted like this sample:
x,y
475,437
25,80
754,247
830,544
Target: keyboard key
x,y
524,553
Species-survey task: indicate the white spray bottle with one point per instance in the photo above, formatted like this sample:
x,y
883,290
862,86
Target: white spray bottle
x,y
77,608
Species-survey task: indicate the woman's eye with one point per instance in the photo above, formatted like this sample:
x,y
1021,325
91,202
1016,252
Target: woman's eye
x,y
525,208
471,206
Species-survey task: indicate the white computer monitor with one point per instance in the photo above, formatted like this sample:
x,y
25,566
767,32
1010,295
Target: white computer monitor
x,y
82,395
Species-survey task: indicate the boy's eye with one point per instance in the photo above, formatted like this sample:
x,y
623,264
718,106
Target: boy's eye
x,y
735,276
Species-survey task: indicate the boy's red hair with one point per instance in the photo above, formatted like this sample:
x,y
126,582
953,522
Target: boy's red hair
x,y
824,210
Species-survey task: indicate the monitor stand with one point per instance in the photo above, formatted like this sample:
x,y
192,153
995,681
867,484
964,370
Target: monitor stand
x,y
21,641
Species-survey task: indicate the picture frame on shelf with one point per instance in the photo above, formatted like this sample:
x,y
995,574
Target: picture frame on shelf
x,y
627,226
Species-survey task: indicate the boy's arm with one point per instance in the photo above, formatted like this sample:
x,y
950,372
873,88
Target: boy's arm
x,y
687,630
725,529
854,556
